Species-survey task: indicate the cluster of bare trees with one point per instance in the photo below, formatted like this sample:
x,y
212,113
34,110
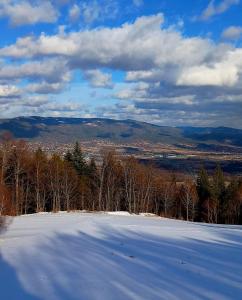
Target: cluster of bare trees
x,y
31,181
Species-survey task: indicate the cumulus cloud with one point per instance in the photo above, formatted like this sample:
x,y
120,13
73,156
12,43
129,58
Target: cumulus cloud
x,y
65,107
166,72
55,108
152,93
147,46
169,104
150,53
94,10
212,9
9,91
98,79
28,12
74,13
45,87
176,114
205,76
34,101
232,33
50,70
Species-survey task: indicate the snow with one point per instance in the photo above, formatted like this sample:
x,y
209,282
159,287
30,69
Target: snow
x,y
88,256
119,213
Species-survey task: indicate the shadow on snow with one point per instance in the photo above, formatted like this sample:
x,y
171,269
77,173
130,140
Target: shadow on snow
x,y
128,265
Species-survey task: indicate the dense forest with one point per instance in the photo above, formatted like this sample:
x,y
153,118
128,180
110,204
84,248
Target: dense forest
x,y
32,181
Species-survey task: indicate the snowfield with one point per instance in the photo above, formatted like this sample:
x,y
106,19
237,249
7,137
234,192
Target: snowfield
x,y
117,256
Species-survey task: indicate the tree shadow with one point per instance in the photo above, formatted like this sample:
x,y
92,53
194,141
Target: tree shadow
x,y
10,286
129,264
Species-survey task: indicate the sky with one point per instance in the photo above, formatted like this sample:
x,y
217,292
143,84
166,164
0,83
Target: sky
x,y
167,62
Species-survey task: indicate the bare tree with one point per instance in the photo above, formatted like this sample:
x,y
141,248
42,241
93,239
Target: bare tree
x,y
70,186
5,200
18,159
189,198
55,169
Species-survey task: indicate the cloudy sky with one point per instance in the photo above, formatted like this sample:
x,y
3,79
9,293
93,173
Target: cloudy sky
x,y
169,62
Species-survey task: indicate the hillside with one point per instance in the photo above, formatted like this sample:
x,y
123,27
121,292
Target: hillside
x,y
88,256
68,130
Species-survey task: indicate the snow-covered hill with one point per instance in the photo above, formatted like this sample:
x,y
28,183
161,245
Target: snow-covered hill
x,y
105,256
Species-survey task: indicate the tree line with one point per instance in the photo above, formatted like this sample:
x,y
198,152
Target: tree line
x,y
32,181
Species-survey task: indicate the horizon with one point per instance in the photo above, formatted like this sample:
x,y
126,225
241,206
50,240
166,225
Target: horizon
x,y
168,63
112,119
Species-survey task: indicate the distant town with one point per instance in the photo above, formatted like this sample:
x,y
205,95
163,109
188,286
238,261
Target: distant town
x,y
163,155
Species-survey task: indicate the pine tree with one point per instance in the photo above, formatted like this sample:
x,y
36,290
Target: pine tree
x,y
218,191
68,156
93,183
78,161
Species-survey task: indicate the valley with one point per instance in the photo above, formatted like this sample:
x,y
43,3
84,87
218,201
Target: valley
x,y
179,149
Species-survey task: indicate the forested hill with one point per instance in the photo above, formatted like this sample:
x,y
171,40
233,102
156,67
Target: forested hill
x,y
68,130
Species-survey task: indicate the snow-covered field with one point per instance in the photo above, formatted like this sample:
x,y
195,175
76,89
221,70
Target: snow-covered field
x,y
107,256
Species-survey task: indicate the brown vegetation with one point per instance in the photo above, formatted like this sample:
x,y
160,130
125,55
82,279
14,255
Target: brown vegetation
x,y
30,182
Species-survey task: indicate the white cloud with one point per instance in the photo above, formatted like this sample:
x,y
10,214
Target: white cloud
x,y
138,46
94,10
34,101
28,12
74,13
205,76
9,91
138,3
150,54
224,73
212,9
65,107
232,33
98,79
147,93
45,87
143,49
173,72
90,12
51,70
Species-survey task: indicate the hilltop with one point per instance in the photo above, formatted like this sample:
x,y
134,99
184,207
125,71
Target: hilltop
x,y
68,130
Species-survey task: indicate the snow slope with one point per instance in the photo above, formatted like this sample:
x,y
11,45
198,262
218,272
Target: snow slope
x,y
107,256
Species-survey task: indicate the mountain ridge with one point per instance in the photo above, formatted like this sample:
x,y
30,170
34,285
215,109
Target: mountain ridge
x,y
68,130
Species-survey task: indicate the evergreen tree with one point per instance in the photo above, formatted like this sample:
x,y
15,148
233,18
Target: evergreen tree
x,y
93,183
78,160
68,156
218,191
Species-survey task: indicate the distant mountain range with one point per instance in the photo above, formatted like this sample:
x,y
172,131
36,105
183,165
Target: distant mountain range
x,y
68,130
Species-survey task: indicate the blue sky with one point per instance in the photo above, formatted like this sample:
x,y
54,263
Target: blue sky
x,y
167,62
